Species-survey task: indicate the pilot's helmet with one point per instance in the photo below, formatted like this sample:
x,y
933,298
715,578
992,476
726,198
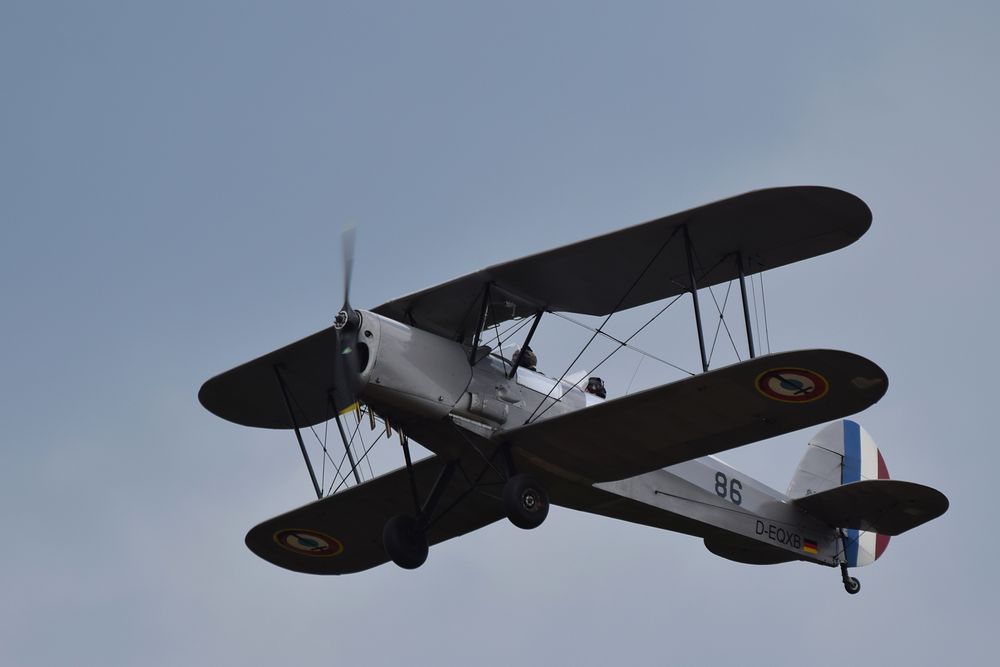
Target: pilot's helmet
x,y
596,386
527,357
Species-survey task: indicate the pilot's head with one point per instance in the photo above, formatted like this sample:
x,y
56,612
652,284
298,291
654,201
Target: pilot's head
x,y
595,386
527,358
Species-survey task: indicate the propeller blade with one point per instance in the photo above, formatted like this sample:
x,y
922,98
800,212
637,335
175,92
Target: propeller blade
x,y
346,325
346,371
347,237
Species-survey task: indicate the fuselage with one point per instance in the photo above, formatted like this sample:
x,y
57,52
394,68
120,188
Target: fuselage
x,y
413,376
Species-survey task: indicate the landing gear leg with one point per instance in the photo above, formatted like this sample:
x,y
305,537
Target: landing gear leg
x,y
405,537
851,584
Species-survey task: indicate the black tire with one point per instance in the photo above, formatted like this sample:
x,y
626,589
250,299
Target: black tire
x,y
525,501
852,586
404,543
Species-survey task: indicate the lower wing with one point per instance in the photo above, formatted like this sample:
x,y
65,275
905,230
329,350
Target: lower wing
x,y
702,415
342,533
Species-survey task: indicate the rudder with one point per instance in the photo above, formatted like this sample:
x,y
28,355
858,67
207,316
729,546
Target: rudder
x,y
843,453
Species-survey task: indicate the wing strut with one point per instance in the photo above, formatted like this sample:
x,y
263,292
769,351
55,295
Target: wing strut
x,y
694,294
298,433
531,332
440,484
426,509
482,325
343,437
746,308
404,441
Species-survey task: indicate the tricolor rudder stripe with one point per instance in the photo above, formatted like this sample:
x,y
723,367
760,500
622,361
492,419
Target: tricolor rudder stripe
x,y
862,460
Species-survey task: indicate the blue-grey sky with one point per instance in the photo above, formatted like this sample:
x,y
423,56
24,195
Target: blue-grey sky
x,y
173,180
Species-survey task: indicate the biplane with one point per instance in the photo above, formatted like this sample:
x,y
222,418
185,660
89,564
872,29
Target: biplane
x,y
507,441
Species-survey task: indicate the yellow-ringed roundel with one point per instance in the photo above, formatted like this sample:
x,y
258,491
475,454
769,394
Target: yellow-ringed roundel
x,y
792,385
308,542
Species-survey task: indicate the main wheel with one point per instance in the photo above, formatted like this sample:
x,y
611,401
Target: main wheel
x,y
525,501
852,585
404,543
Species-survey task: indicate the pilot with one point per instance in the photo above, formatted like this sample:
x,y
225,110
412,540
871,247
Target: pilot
x,y
529,361
595,386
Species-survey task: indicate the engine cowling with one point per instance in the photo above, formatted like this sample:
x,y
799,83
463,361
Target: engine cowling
x,y
409,369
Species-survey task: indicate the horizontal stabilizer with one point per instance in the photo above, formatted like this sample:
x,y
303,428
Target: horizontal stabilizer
x,y
889,507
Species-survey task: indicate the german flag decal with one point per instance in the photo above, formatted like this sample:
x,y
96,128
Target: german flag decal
x,y
809,546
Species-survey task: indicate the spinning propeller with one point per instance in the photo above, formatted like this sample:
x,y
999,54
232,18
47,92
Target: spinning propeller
x,y
347,326
346,363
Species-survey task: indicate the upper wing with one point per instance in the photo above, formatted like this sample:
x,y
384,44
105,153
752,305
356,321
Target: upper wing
x,y
886,506
702,415
342,533
769,228
251,395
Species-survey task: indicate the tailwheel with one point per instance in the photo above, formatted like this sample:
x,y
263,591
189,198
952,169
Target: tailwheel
x,y
404,542
525,501
851,584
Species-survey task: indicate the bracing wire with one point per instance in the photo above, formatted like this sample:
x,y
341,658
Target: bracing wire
x,y
338,474
354,436
624,296
625,343
357,429
354,452
363,456
763,301
722,322
321,441
510,333
756,317
634,373
600,329
322,483
621,344
721,311
513,328
496,330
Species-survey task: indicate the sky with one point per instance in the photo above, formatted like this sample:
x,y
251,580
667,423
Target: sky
x,y
173,182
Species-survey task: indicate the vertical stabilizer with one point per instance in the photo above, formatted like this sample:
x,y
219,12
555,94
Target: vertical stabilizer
x,y
843,453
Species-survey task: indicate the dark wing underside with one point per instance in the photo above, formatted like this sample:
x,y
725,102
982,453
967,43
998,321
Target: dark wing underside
x,y
701,415
354,520
251,395
885,506
769,228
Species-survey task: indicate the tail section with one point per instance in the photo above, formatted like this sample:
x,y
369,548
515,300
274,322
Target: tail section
x,y
843,453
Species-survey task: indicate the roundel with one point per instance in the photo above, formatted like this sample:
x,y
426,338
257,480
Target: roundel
x,y
792,385
308,542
